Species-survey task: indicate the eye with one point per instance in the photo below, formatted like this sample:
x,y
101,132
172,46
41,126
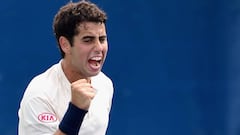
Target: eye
x,y
87,39
102,39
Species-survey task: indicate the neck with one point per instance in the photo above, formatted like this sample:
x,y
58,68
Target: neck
x,y
71,74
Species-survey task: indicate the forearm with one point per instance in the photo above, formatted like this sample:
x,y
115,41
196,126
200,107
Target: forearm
x,y
59,132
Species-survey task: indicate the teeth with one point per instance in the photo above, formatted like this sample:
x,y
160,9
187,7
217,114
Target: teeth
x,y
96,58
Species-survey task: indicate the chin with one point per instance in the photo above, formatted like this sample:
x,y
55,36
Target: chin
x,y
94,73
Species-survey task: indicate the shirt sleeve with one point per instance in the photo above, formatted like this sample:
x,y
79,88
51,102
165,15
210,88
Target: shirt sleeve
x,y
111,92
37,117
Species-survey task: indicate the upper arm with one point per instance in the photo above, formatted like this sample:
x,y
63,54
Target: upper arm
x,y
37,117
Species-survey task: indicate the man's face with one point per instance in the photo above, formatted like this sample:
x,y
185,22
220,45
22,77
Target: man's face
x,y
89,49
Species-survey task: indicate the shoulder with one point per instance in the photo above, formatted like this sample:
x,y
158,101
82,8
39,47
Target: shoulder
x,y
41,85
45,79
103,78
103,83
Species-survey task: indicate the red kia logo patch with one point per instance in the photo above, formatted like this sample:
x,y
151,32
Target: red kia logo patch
x,y
47,117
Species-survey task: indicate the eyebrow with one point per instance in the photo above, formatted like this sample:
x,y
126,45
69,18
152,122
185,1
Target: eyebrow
x,y
104,36
85,37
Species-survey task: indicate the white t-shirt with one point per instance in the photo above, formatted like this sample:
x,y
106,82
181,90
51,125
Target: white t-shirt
x,y
46,100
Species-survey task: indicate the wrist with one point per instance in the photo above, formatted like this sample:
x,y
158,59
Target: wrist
x,y
72,120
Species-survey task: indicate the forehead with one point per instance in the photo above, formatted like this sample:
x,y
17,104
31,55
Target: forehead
x,y
92,27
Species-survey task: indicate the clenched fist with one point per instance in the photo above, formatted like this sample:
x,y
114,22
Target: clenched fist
x,y
82,93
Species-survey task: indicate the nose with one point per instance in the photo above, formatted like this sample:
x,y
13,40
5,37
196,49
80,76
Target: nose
x,y
99,46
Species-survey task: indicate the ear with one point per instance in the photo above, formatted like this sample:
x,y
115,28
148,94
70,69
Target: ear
x,y
64,44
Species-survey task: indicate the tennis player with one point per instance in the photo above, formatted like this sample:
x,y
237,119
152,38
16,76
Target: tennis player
x,y
73,96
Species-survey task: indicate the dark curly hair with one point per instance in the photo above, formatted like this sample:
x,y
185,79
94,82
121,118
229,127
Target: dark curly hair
x,y
70,16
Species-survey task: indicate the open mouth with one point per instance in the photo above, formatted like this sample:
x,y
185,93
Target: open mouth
x,y
95,62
